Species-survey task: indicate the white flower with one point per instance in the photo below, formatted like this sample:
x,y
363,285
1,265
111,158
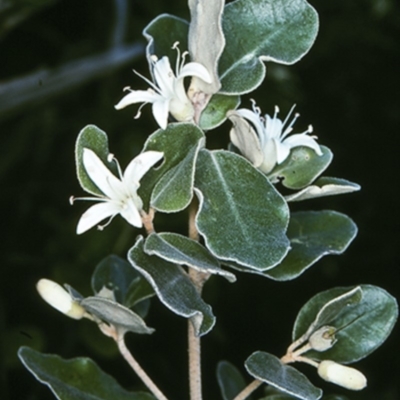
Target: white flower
x,y
55,295
270,144
347,377
120,195
167,92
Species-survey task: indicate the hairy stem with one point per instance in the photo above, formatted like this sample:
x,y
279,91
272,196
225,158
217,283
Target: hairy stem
x,y
138,369
248,390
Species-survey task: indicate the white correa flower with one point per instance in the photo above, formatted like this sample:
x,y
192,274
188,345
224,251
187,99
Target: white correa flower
x,y
347,377
59,298
167,92
120,195
269,144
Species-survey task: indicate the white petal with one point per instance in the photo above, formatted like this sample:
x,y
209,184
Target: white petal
x,y
138,96
95,214
164,76
255,120
140,165
195,69
160,112
131,214
302,139
101,176
282,151
270,156
273,127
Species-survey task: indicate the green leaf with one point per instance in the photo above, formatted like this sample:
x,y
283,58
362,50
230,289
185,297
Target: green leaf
x,y
138,291
230,380
182,250
269,369
313,234
163,32
215,112
242,217
115,314
93,138
263,30
173,287
115,274
301,167
361,327
76,379
324,186
170,187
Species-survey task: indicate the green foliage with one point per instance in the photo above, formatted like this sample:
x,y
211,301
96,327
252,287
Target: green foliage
x,y
230,380
269,369
362,325
76,379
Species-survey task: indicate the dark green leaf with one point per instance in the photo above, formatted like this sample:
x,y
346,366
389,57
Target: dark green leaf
x,y
241,216
302,167
76,379
269,369
230,380
360,328
215,112
170,186
93,138
182,250
313,234
173,287
263,30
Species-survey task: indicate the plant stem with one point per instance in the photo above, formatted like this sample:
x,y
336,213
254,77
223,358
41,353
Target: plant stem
x,y
138,369
248,390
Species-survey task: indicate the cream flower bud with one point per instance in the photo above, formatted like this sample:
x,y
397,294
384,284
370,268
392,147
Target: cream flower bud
x,y
323,338
347,377
59,298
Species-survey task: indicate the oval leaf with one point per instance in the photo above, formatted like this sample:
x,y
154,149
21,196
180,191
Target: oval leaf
x,y
173,287
170,187
182,250
93,138
324,186
230,380
312,235
269,30
241,216
269,369
361,327
75,379
115,314
302,167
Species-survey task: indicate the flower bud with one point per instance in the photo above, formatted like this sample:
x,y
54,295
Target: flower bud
x,y
347,377
59,298
323,339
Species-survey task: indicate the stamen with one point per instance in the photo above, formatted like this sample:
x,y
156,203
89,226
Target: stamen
x,y
147,81
276,112
71,200
183,56
101,227
139,111
289,114
127,88
175,46
256,109
111,158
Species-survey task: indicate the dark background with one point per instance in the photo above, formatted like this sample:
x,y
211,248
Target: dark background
x,y
50,88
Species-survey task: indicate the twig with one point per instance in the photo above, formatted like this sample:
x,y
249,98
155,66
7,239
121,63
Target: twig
x,y
248,390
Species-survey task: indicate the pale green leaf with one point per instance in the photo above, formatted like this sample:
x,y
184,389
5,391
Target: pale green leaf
x,y
230,380
242,217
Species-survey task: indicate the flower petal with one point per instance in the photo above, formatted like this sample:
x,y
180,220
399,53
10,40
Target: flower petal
x,y
95,214
160,112
302,139
140,165
101,176
195,69
131,214
255,120
138,96
164,77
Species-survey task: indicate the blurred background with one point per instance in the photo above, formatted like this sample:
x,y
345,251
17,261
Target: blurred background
x,y
63,65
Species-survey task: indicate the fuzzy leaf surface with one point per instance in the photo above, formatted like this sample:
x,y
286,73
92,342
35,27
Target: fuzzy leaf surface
x,y
362,326
263,30
241,215
75,379
313,235
230,380
269,369
173,287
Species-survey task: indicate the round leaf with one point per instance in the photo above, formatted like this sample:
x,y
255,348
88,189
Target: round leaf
x,y
361,327
230,380
312,235
242,217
